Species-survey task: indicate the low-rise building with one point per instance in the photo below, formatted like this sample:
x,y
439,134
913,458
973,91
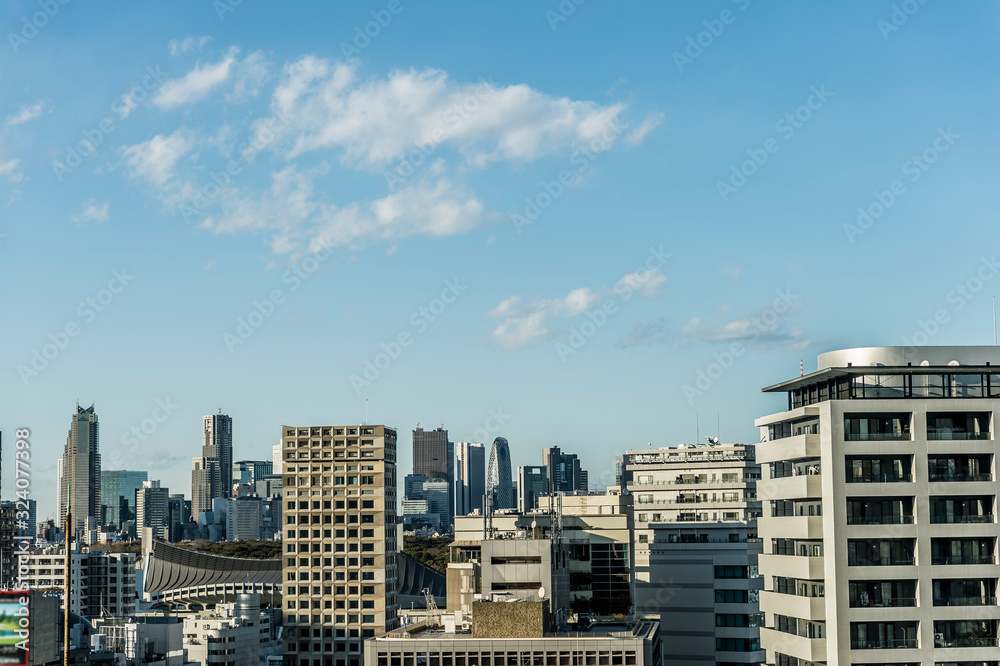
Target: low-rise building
x,y
101,583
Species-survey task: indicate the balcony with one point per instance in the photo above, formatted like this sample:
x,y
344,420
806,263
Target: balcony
x,y
895,602
944,519
972,641
946,434
963,559
966,601
932,476
881,520
885,644
876,436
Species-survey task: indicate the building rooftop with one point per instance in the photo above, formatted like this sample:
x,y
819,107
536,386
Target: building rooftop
x,y
619,630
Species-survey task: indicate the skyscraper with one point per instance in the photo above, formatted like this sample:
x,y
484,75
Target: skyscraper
x,y
117,484
470,486
251,471
152,509
434,457
531,483
204,485
340,541
565,475
81,477
217,443
212,471
499,484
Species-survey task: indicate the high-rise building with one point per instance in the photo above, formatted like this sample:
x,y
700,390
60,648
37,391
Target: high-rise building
x,y
217,446
244,518
696,549
434,456
30,529
276,458
251,471
178,514
532,482
499,484
470,486
81,476
59,480
880,530
340,541
119,484
9,542
204,485
565,475
152,509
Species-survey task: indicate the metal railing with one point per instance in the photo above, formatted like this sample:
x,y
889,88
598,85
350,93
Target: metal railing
x,y
885,520
895,602
948,434
966,601
971,559
945,518
876,436
931,476
885,644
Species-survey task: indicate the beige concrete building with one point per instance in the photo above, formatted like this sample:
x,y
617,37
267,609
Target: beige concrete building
x,y
515,634
696,549
340,541
880,525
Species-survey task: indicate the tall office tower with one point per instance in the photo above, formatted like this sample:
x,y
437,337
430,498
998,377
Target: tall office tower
x,y
204,485
217,443
81,477
152,509
532,482
251,471
696,549
434,456
340,568
470,484
565,475
276,458
499,484
116,485
8,544
29,530
177,516
880,533
59,478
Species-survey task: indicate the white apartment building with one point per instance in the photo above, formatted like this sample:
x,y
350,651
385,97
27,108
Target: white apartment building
x,y
230,635
879,523
696,549
101,583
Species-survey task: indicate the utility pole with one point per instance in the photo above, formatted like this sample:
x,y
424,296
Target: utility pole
x,y
66,590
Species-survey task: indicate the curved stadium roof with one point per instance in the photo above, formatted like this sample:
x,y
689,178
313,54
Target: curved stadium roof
x,y
181,576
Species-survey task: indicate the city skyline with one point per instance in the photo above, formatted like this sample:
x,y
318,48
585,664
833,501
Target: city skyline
x,y
120,295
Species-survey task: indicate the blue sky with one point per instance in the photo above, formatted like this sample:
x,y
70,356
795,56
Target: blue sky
x,y
564,225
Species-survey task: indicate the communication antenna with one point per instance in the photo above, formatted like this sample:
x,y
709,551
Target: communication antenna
x,y
697,428
801,368
366,411
994,320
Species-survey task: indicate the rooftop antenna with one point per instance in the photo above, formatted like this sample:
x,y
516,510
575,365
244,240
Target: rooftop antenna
x,y
801,368
697,428
366,411
718,426
994,320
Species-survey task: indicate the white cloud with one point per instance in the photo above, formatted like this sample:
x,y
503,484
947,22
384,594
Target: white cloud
x,y
527,323
92,212
648,283
649,123
27,113
292,212
155,160
519,332
251,73
379,120
10,170
188,44
196,84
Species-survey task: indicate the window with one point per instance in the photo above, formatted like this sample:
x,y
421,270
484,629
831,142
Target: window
x,y
731,572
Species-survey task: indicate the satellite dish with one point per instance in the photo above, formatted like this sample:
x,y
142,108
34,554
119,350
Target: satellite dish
x,y
541,593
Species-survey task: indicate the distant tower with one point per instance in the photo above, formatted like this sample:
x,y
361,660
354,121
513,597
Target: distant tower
x,y
499,483
81,474
470,485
